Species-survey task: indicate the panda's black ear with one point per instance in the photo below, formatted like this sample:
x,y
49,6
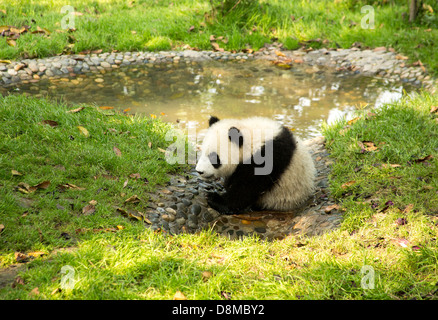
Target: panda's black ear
x,y
212,120
235,136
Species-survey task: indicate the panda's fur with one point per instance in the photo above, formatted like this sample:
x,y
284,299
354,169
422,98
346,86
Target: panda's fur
x,y
234,149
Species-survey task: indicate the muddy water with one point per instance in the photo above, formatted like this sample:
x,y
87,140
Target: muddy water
x,y
301,97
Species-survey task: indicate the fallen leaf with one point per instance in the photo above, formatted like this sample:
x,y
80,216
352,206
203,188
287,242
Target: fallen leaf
x,y
135,175
2,227
21,257
150,144
51,123
133,199
206,275
179,296
428,157
36,254
433,109
279,53
408,208
117,151
369,146
385,165
11,42
69,186
226,295
216,47
93,202
400,57
34,292
401,221
76,110
191,29
17,281
328,209
88,209
348,184
402,242
350,122
83,131
16,173
106,108
161,150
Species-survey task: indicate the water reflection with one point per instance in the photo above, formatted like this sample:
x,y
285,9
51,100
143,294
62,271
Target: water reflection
x,y
187,94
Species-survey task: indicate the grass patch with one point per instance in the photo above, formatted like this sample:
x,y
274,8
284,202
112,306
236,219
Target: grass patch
x,y
396,239
61,154
164,25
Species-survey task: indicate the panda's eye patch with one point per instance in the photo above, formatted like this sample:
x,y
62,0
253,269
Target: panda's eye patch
x,y
214,159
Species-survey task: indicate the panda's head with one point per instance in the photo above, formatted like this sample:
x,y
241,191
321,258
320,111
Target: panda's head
x,y
221,149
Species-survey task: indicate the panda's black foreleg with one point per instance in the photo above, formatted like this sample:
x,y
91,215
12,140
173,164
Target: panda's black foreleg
x,y
229,202
218,203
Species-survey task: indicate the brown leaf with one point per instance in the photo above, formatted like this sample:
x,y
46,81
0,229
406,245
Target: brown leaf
x,y
191,29
428,157
69,186
179,296
216,47
408,208
106,108
51,123
433,109
135,175
206,275
21,257
17,281
93,202
88,209
348,184
125,183
76,110
2,227
279,53
133,199
350,122
328,209
42,185
34,292
400,57
117,151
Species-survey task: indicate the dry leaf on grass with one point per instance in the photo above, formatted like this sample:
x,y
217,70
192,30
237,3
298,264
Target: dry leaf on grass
x,y
179,296
117,151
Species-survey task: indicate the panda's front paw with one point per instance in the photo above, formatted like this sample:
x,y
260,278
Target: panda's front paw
x,y
217,202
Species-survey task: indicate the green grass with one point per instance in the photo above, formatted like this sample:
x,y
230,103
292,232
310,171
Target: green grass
x,y
136,263
163,25
61,155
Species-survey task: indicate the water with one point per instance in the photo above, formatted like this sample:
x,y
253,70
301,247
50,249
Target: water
x,y
187,94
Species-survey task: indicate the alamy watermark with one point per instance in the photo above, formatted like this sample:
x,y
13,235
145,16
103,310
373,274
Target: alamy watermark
x,y
68,279
68,21
368,277
367,21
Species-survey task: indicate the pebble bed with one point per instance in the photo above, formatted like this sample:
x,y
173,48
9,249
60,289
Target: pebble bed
x,y
380,63
181,206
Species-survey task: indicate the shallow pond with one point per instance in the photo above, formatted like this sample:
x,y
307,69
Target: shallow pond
x,y
301,97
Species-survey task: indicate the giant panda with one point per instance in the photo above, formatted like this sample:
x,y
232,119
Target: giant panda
x,y
263,165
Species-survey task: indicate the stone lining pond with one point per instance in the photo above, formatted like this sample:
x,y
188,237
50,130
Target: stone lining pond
x,y
300,97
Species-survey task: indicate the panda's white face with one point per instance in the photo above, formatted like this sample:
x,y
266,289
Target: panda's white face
x,y
229,142
219,156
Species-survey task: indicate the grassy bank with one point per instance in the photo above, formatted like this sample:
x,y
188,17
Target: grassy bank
x,y
388,194
164,25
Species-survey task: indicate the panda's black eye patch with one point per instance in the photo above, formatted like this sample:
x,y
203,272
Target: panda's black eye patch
x,y
214,159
